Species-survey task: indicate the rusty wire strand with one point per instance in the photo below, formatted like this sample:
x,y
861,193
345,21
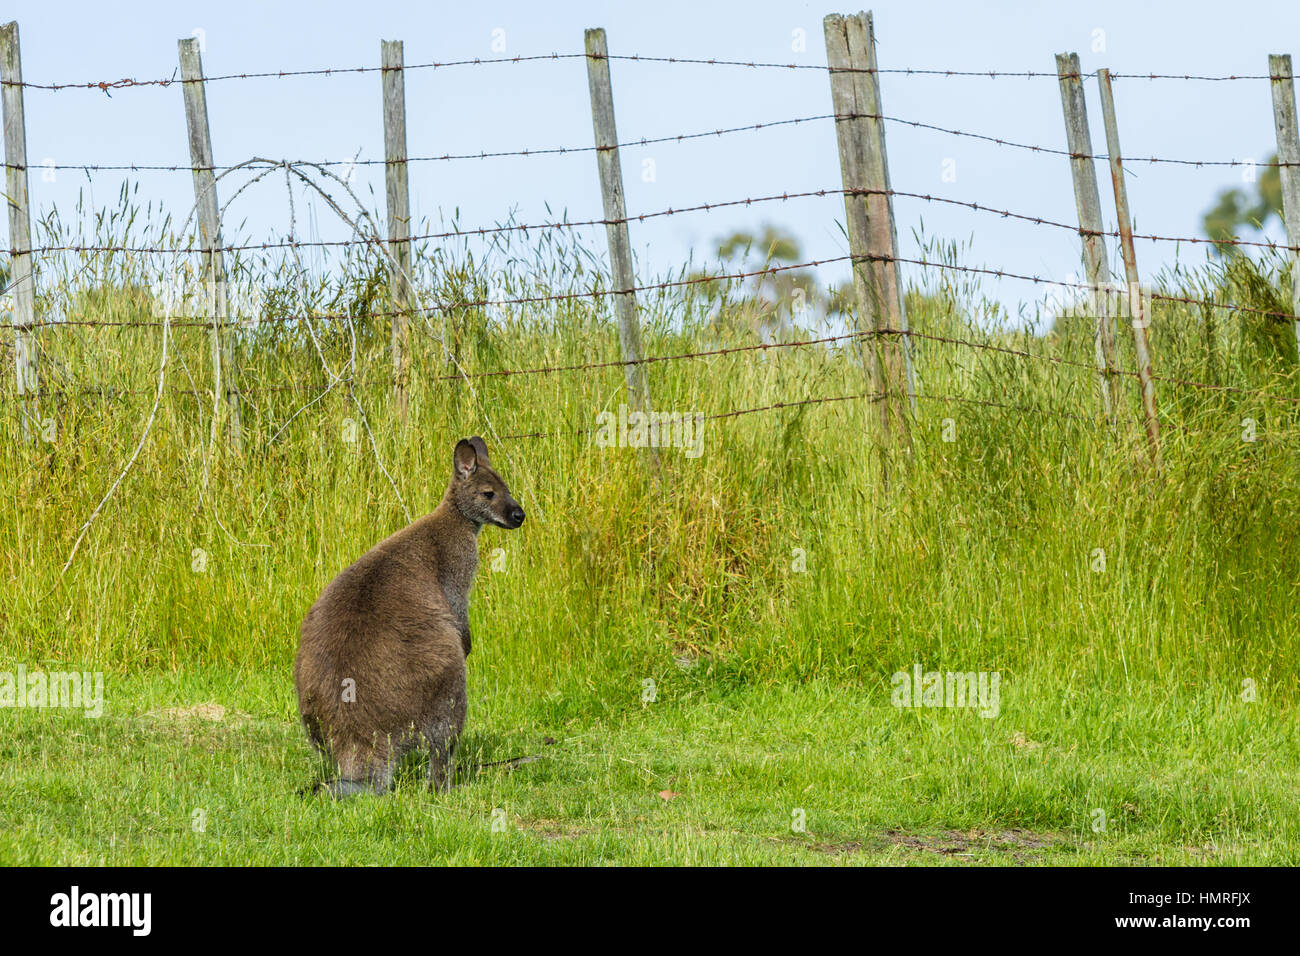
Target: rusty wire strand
x,y
682,137
105,86
1156,296
646,216
1055,360
580,367
760,347
444,306
657,287
447,234
481,154
828,399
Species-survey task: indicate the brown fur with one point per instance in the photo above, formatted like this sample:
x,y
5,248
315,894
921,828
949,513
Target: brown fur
x,y
397,624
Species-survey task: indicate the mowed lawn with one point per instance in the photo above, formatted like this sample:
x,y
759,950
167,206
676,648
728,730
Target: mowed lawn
x,y
204,768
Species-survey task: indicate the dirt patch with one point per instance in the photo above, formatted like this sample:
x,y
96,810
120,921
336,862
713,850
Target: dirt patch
x,y
212,712
208,725
548,829
1021,742
1019,844
834,849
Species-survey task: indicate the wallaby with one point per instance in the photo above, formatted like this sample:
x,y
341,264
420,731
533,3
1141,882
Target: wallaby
x,y
381,654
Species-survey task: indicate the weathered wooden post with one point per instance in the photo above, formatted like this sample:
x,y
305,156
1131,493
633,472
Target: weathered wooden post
x,y
225,373
1288,157
399,215
1088,202
611,190
1137,308
21,278
869,214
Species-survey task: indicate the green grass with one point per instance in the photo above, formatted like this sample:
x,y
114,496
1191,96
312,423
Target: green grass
x,y
769,588
1184,777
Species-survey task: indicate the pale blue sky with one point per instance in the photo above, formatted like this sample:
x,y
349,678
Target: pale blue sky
x,y
503,107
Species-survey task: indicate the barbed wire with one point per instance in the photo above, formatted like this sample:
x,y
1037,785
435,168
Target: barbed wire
x,y
867,396
985,346
706,278
1056,360
719,416
446,234
126,83
650,360
1157,296
105,86
920,71
703,279
644,217
768,270
686,137
444,157
1055,151
242,388
1073,227
246,388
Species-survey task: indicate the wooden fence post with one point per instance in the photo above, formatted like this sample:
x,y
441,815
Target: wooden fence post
x,y
21,279
399,215
1288,157
1136,307
869,212
611,190
214,269
1088,202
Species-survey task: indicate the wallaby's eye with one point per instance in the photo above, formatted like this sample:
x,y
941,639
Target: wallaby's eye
x,y
489,495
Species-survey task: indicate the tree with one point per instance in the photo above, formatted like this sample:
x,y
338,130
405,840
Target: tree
x,y
778,300
1236,209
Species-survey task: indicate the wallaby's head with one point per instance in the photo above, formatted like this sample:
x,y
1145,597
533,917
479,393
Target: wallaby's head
x,y
478,491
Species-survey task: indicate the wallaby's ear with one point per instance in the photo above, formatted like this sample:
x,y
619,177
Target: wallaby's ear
x,y
465,458
480,449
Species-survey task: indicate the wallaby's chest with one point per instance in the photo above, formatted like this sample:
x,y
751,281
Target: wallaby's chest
x,y
456,576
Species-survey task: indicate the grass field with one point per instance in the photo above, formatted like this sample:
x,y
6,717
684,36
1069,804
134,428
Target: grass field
x,y
703,775
1143,628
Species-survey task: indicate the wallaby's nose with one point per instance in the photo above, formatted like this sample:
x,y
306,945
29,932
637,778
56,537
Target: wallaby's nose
x,y
517,516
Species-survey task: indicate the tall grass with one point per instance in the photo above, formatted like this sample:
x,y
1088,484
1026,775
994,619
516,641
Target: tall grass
x,y
1036,543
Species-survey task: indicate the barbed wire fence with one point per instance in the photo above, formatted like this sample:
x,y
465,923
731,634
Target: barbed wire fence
x,y
882,333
